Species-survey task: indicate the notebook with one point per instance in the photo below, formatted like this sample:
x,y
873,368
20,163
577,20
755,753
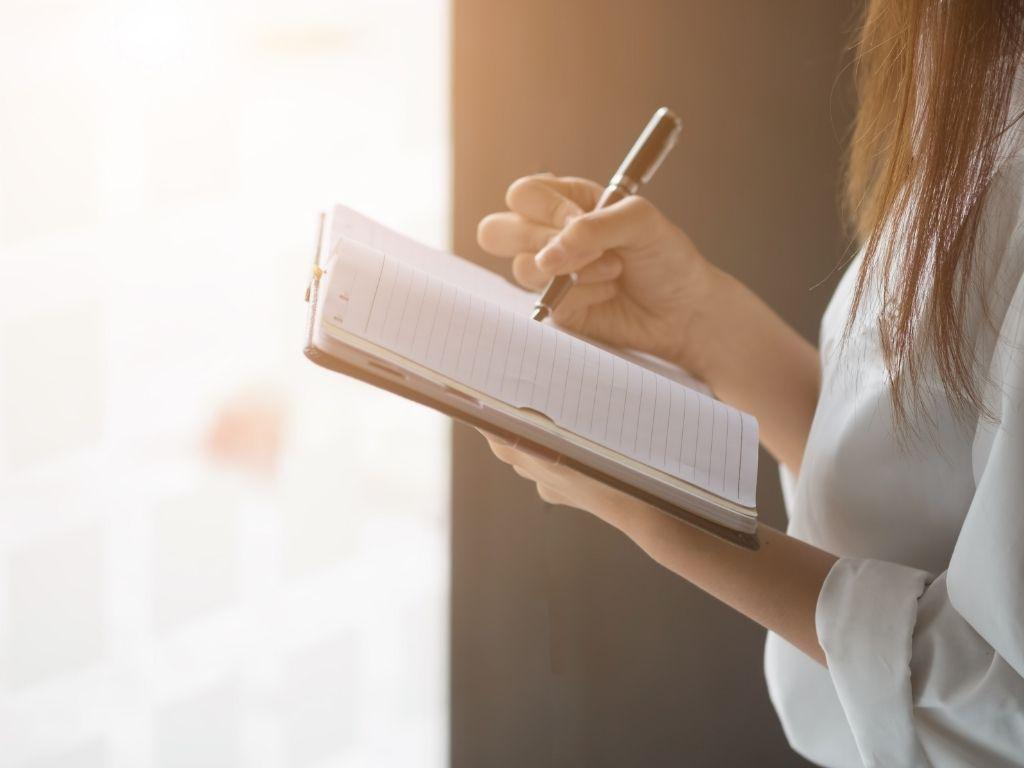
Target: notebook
x,y
452,335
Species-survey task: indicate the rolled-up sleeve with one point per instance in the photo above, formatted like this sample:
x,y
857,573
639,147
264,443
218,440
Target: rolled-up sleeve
x,y
918,684
865,619
929,668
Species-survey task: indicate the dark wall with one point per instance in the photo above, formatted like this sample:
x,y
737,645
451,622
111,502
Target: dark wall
x,y
569,646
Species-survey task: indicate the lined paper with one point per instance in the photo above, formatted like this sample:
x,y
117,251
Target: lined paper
x,y
496,348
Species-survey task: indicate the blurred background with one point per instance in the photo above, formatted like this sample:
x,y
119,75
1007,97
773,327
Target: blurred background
x,y
213,553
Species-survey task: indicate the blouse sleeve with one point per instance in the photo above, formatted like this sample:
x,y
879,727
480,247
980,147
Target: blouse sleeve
x,y
928,665
788,482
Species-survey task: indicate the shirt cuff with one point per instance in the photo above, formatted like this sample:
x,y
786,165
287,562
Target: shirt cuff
x,y
865,620
788,482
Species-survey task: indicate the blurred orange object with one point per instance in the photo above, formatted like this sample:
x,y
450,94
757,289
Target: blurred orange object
x,y
247,431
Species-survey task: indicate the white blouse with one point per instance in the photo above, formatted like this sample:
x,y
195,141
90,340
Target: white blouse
x,y
922,618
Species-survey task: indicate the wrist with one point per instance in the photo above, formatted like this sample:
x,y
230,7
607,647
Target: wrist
x,y
665,539
704,343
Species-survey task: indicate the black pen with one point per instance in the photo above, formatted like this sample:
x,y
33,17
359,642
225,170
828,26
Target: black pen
x,y
657,139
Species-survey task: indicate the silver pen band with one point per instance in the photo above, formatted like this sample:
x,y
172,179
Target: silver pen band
x,y
624,184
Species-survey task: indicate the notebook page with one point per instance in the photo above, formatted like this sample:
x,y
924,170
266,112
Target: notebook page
x,y
482,282
579,386
353,225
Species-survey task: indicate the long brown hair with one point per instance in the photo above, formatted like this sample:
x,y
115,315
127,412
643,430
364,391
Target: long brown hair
x,y
934,82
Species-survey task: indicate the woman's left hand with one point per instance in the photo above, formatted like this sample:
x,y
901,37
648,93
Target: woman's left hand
x,y
558,484
776,585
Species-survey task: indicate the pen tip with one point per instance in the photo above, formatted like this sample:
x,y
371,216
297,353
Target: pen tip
x,y
539,313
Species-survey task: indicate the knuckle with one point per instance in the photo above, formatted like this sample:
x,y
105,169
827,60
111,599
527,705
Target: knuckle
x,y
585,191
654,220
539,238
563,210
578,233
559,209
639,206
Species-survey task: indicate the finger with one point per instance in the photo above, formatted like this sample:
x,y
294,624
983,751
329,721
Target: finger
x,y
508,233
500,447
583,297
505,453
522,472
538,469
550,495
527,273
535,199
526,464
490,437
604,268
628,222
583,192
538,199
526,460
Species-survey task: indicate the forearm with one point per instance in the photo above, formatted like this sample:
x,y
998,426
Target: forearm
x,y
776,586
754,360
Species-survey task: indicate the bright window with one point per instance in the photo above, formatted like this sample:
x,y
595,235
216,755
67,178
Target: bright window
x,y
211,552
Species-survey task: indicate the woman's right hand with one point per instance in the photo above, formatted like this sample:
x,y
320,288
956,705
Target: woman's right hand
x,y
643,285
641,282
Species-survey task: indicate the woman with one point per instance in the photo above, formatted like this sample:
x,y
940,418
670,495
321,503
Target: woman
x,y
895,601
